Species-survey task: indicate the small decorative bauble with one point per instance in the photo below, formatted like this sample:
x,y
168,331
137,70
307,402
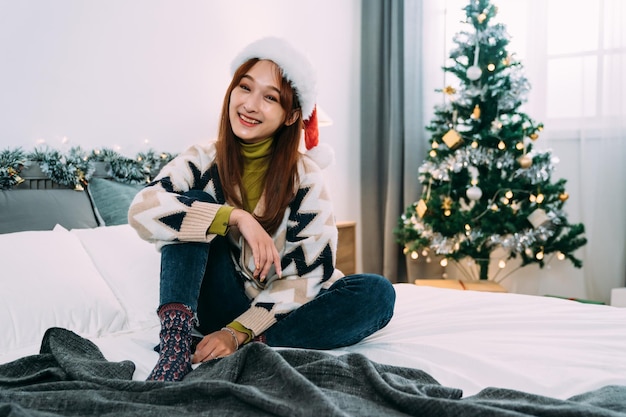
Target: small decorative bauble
x,y
452,138
563,196
476,112
496,125
533,136
525,161
538,217
421,208
491,67
474,193
481,17
474,72
449,90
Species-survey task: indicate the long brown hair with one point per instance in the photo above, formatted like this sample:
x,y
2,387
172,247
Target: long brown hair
x,y
281,176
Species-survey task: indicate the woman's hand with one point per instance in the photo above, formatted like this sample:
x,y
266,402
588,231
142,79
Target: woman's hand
x,y
217,345
263,249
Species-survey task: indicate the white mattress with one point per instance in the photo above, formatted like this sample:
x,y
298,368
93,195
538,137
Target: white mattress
x,y
103,284
473,340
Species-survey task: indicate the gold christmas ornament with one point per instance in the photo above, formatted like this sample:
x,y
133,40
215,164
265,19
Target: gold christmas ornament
x,y
533,136
13,173
481,17
447,203
525,161
538,217
449,90
476,112
421,208
563,196
452,138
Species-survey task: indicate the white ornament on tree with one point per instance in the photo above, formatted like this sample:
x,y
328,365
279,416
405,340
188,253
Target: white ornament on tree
x,y
474,72
474,193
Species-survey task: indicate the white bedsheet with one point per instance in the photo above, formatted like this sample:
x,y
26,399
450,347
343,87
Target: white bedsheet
x,y
473,340
465,339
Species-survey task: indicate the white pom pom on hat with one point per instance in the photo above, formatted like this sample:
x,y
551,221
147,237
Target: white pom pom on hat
x,y
297,69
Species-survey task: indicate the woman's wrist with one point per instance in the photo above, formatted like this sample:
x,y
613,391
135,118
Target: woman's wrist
x,y
233,333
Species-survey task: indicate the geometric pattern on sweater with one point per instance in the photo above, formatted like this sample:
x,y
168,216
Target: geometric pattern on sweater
x,y
201,181
298,223
306,239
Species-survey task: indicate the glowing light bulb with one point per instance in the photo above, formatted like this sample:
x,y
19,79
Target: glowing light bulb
x,y
509,194
560,256
414,255
501,264
444,262
501,145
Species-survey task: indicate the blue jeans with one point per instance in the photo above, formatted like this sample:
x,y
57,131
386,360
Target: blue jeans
x,y
203,277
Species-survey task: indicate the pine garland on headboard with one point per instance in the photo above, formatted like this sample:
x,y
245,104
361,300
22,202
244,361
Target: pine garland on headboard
x,y
75,167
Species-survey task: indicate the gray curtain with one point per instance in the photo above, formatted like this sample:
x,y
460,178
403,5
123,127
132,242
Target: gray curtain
x,y
393,140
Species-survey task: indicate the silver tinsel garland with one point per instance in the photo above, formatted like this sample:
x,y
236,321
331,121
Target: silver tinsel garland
x,y
75,167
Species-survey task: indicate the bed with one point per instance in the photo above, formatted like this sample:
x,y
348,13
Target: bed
x,y
77,307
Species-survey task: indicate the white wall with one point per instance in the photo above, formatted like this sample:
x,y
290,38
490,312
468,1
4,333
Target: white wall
x,y
139,74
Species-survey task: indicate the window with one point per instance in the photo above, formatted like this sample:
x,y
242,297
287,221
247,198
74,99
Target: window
x,y
573,53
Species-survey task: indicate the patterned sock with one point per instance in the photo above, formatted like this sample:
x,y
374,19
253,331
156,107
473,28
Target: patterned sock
x,y
174,363
260,338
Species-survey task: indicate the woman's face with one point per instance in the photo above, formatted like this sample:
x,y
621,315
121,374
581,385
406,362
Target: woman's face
x,y
254,110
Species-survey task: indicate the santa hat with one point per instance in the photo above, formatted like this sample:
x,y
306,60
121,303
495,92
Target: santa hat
x,y
297,69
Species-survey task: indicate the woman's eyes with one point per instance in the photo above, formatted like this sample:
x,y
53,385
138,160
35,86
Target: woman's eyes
x,y
269,97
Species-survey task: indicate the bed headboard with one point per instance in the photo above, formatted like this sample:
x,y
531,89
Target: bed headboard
x,y
38,203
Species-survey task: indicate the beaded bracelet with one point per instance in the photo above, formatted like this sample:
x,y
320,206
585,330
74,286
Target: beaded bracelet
x,y
232,333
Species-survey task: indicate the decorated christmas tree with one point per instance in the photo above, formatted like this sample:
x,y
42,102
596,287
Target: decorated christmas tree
x,y
486,188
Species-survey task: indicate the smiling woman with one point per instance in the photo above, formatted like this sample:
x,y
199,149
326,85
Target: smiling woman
x,y
255,110
246,229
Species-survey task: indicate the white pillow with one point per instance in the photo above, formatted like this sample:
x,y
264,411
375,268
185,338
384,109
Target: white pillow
x,y
130,266
48,280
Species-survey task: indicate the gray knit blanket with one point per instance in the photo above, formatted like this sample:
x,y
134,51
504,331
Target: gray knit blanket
x,y
71,377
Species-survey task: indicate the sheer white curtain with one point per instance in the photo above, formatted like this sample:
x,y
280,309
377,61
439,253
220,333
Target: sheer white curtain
x,y
574,54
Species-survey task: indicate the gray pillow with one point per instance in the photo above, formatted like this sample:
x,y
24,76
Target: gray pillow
x,y
43,209
112,199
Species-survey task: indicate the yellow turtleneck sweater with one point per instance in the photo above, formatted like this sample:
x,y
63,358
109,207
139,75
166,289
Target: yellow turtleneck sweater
x,y
255,160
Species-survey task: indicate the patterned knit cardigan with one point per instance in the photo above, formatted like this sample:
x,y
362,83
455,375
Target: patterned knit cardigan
x,y
306,239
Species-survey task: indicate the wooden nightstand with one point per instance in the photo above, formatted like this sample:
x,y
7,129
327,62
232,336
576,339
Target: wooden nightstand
x,y
346,247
